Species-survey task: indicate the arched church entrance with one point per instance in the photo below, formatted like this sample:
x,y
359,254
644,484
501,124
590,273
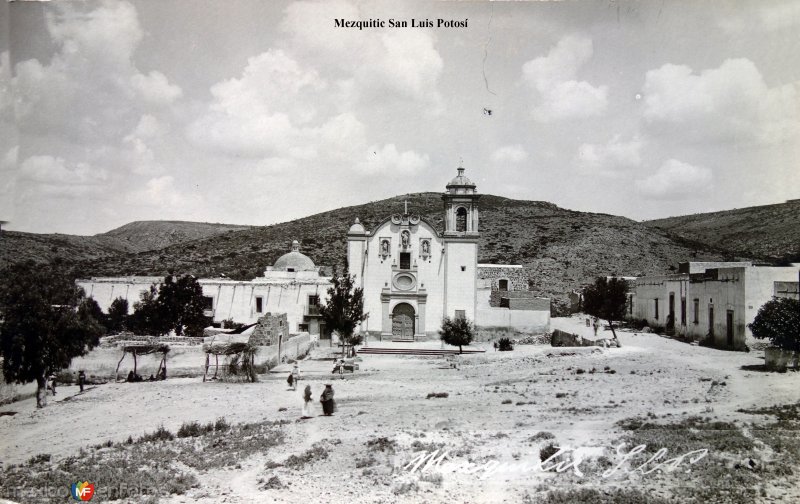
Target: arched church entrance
x,y
403,319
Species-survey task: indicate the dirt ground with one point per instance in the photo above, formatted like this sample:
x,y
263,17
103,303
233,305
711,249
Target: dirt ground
x,y
496,403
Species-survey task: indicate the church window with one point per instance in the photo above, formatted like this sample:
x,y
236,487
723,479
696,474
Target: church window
x,y
502,284
405,260
259,304
313,300
461,219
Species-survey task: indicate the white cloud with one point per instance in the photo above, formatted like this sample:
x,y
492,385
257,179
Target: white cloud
x,y
162,193
610,159
676,180
155,88
55,177
388,161
90,90
560,96
731,101
401,65
510,154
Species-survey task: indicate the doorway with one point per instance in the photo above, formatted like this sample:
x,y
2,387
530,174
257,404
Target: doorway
x,y
403,322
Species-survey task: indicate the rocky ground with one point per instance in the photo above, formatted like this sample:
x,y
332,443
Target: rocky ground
x,y
492,408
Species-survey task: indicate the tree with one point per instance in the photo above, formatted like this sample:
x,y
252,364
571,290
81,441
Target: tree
x,y
117,318
176,305
96,313
344,309
457,332
778,320
606,299
46,322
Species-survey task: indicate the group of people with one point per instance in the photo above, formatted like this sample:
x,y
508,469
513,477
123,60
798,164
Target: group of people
x,y
326,398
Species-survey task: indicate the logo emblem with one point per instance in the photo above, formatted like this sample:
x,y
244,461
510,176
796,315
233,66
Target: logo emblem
x,y
82,491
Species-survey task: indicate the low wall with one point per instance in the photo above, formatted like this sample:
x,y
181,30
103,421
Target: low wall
x,y
503,322
777,359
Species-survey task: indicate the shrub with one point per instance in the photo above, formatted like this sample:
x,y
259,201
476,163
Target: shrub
x,y
505,345
191,429
457,332
221,425
382,444
542,435
547,451
316,452
161,434
439,395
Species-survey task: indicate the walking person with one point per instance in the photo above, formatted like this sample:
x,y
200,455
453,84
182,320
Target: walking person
x,y
295,376
81,379
328,404
307,402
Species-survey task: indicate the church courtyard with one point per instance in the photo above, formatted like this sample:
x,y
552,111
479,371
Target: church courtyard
x,y
491,412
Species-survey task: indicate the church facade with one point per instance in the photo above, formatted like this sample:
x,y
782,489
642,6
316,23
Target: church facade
x,y
414,275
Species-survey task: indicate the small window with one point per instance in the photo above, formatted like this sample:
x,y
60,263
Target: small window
x,y
208,303
461,314
630,304
502,285
290,270
463,268
405,260
313,300
696,311
259,304
656,308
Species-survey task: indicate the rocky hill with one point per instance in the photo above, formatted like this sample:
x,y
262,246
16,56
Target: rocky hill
x,y
139,236
560,249
769,231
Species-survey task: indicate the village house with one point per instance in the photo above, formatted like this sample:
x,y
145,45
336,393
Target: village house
x,y
711,301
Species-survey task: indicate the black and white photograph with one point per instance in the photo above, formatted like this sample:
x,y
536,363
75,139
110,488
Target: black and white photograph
x,y
362,251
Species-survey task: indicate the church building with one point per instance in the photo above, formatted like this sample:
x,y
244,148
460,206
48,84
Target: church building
x,y
414,275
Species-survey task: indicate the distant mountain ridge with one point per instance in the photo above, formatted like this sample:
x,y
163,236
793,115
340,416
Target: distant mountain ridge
x,y
768,231
560,249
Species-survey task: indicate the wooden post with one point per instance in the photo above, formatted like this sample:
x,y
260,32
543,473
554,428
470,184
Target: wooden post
x,y
205,372
134,363
116,372
216,368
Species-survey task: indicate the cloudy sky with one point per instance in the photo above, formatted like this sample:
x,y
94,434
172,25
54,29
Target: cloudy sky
x,y
259,112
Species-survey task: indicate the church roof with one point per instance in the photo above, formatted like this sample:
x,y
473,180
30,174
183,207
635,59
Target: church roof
x,y
295,260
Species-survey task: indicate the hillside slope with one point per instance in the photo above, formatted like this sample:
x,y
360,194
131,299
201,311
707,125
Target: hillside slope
x,y
560,249
769,231
134,237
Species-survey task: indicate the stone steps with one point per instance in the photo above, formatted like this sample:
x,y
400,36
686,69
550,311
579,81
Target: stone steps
x,y
414,351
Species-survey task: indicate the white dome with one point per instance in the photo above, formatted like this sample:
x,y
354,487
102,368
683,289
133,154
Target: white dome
x,y
294,260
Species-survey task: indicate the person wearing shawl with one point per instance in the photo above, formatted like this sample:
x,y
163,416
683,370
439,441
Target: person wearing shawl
x,y
328,405
307,402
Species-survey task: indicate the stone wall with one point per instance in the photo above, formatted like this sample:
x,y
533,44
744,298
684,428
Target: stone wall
x,y
517,279
271,329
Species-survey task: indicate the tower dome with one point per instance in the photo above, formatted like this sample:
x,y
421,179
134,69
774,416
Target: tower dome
x,y
294,260
460,184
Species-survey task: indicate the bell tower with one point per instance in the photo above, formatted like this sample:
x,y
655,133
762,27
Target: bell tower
x,y
460,207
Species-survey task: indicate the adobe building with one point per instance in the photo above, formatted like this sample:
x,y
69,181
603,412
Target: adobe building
x,y
413,274
292,286
711,301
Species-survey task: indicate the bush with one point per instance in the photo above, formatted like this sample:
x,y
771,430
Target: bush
x,y
504,345
457,332
161,434
547,451
440,395
779,322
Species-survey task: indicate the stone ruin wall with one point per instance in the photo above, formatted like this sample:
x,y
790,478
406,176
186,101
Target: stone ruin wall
x,y
269,328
